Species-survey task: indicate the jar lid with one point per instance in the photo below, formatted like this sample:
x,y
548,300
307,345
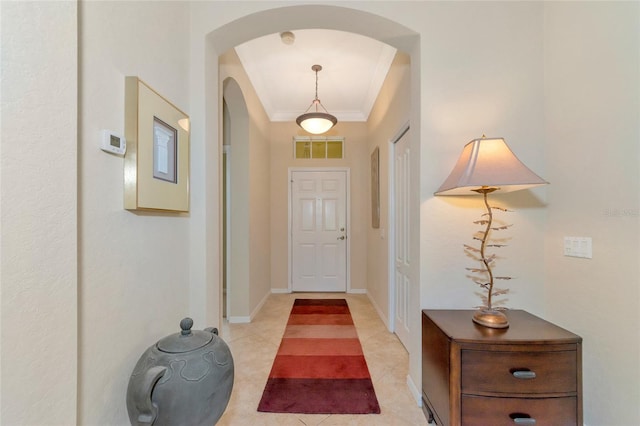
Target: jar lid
x,y
186,340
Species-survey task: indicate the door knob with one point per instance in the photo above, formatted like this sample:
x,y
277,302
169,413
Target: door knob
x,y
342,237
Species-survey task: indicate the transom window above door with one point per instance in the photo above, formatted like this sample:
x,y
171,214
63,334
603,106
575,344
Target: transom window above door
x,y
318,147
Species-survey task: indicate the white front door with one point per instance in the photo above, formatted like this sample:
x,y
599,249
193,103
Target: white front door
x,y
402,231
318,231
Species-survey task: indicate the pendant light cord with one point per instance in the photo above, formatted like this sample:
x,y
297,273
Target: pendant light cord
x,y
317,89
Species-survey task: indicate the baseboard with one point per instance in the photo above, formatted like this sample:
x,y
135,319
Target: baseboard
x,y
384,319
259,306
245,319
287,291
417,395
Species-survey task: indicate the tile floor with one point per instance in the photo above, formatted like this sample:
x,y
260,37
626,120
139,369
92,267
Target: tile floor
x,y
254,347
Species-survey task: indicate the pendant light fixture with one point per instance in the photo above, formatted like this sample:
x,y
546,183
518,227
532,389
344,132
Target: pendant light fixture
x,y
314,120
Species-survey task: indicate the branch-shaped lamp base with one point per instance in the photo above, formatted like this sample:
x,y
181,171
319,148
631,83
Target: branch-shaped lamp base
x,y
487,316
491,318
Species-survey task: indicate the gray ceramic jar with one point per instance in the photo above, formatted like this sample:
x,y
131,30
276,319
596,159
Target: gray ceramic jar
x,y
184,379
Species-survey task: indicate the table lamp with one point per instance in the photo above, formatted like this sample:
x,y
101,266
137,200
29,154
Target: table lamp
x,y
487,165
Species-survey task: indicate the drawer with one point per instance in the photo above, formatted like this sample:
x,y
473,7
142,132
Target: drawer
x,y
492,372
483,411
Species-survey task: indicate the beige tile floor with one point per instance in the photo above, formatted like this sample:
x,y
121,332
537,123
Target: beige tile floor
x,y
254,347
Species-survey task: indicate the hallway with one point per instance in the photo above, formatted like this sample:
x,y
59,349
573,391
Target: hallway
x,y
254,347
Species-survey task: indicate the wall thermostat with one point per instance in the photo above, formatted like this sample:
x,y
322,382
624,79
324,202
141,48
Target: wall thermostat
x,y
113,142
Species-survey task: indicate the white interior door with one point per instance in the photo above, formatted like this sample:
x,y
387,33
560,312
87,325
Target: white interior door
x,y
402,232
318,231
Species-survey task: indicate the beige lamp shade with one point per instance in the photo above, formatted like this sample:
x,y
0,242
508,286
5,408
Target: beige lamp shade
x,y
316,122
488,162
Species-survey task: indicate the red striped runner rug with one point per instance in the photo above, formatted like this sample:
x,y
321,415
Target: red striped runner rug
x,y
320,367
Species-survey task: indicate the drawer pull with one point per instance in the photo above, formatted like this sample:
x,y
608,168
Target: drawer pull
x,y
524,374
522,419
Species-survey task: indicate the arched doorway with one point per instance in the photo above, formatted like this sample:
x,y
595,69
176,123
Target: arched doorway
x,y
235,202
219,40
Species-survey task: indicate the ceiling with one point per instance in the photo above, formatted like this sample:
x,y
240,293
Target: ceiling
x,y
353,70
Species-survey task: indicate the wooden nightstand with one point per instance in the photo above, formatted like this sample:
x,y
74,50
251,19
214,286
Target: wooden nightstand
x,y
527,374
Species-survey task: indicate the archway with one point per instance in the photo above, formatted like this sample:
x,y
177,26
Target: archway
x,y
265,22
235,250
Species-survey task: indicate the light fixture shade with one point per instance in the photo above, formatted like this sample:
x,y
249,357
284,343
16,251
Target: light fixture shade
x,y
488,162
316,122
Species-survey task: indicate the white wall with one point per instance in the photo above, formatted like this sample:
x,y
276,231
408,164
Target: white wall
x,y
250,191
390,112
260,206
499,68
483,63
481,73
238,254
356,159
38,214
134,267
592,126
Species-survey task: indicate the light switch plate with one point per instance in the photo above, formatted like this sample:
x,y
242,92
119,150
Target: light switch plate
x,y
578,247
